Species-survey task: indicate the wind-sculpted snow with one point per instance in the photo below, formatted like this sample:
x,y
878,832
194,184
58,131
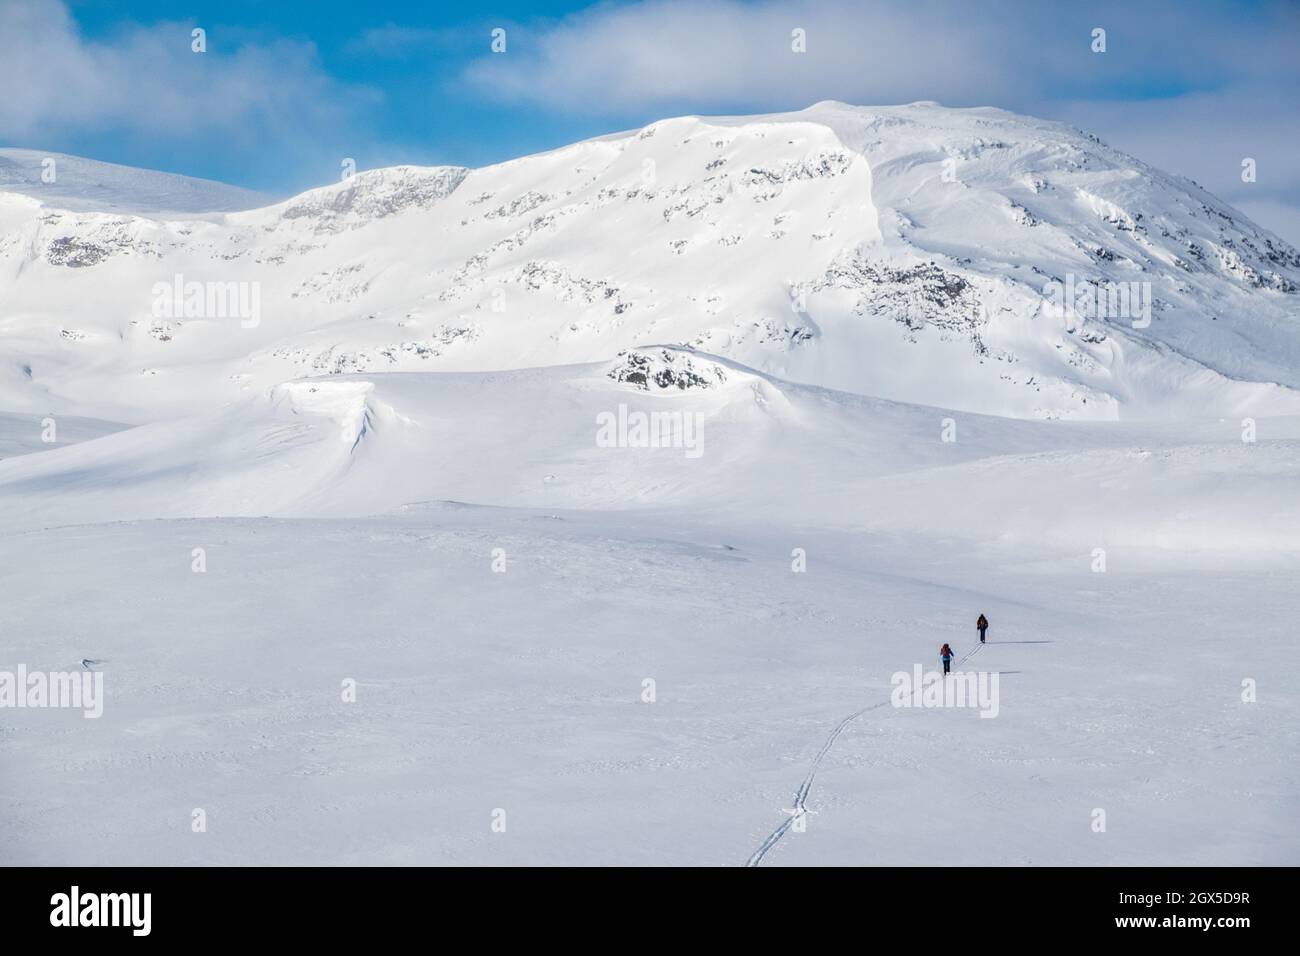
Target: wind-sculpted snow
x,y
357,445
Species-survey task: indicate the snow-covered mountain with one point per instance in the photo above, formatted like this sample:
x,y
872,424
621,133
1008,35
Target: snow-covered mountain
x,y
619,483
949,257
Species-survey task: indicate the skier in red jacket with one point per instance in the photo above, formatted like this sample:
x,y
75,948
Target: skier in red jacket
x,y
946,655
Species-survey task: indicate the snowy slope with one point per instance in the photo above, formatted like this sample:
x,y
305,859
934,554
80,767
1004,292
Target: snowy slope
x,y
826,247
802,455
24,434
481,691
86,185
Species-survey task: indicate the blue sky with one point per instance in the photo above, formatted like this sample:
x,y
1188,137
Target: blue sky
x,y
286,90
402,61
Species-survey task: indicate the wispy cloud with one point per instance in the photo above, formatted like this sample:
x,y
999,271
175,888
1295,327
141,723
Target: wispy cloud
x,y
147,81
614,57
675,53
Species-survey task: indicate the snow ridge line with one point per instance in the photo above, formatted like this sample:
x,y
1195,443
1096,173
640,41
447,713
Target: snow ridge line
x,y
805,787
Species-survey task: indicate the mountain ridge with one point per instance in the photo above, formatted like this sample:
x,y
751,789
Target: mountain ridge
x,y
906,252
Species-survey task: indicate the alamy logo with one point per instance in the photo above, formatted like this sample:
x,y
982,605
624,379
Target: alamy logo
x,y
102,909
179,299
974,689
1082,299
79,690
628,429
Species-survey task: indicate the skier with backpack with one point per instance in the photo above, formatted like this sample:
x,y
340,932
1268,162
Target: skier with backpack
x,y
982,625
946,655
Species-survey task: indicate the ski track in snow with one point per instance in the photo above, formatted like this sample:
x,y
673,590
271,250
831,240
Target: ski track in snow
x,y
801,795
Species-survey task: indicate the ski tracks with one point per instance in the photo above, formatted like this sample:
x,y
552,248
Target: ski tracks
x,y
805,787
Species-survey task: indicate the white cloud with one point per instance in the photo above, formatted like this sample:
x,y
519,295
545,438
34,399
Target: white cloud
x,y
147,81
676,52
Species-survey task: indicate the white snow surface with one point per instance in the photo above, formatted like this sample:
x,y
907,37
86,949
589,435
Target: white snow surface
x,y
397,477
826,246
85,185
